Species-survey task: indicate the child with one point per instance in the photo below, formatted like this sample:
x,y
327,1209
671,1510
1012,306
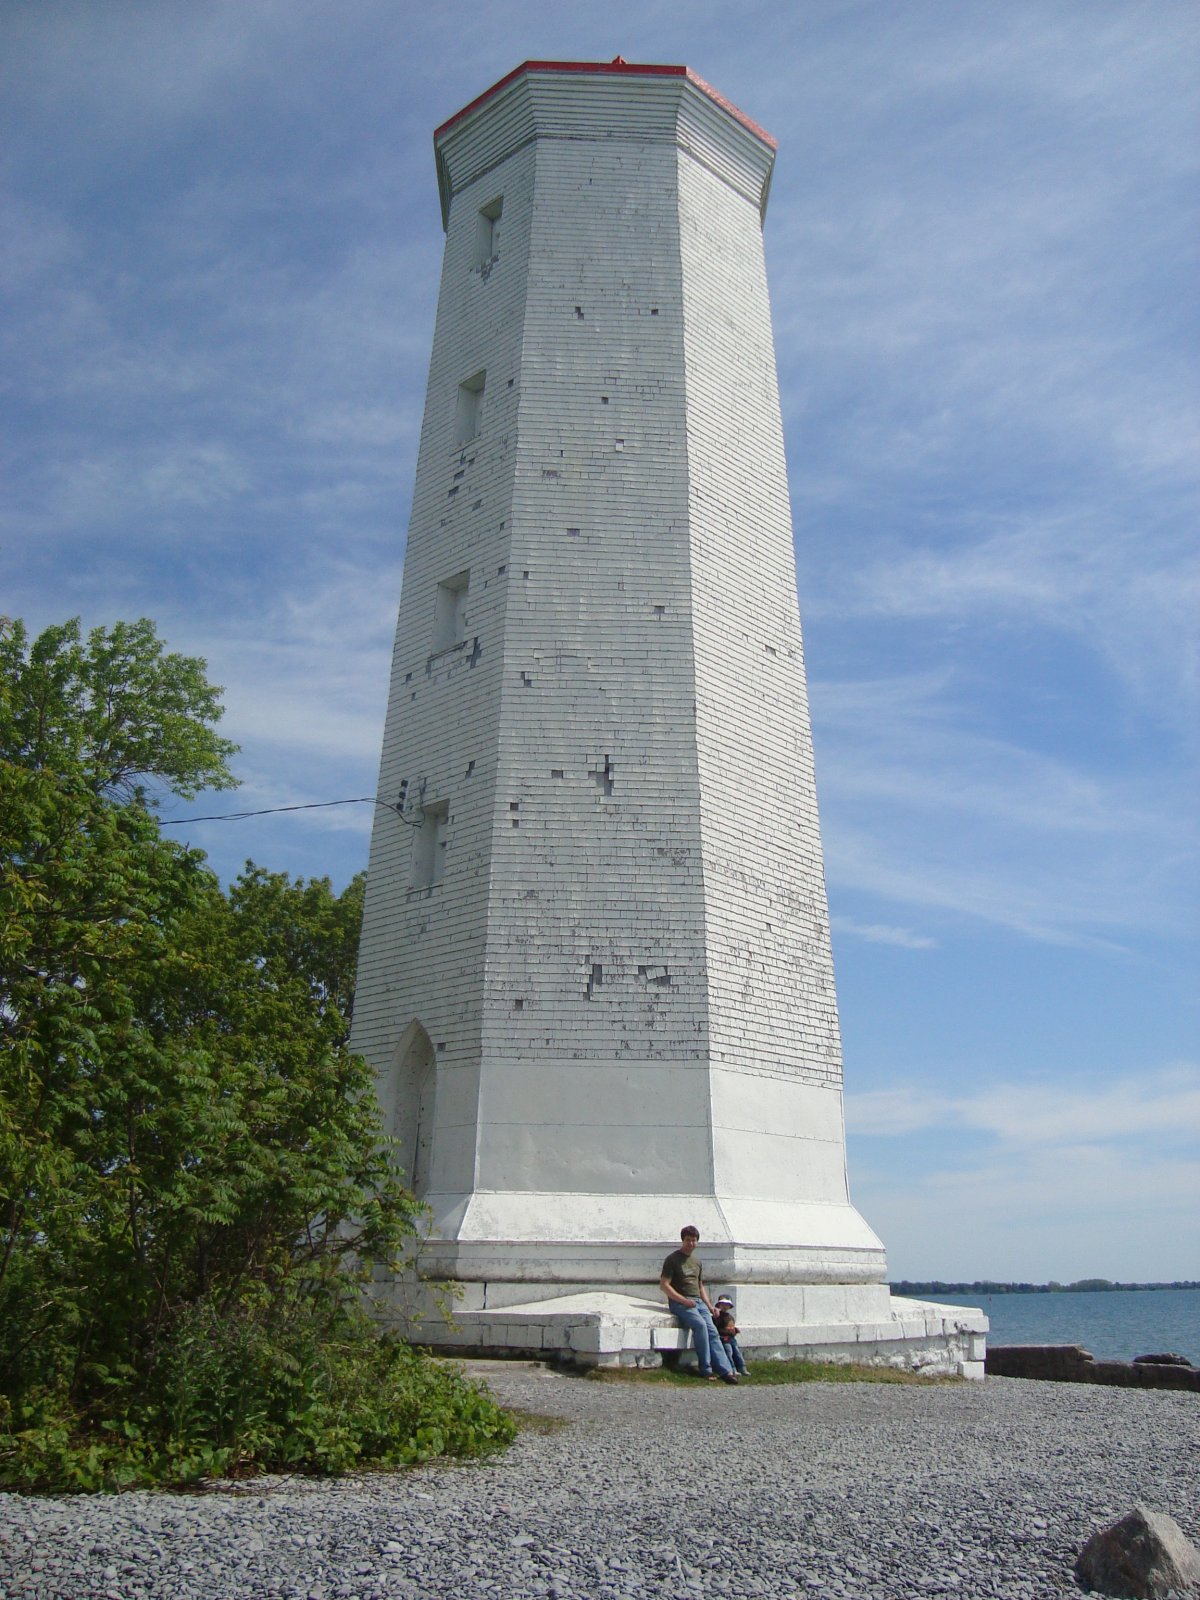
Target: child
x,y
727,1328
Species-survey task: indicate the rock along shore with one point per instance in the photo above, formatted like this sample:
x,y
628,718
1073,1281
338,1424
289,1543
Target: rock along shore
x,y
971,1489
1071,1363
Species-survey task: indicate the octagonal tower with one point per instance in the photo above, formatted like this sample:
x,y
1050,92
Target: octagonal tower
x,y
596,982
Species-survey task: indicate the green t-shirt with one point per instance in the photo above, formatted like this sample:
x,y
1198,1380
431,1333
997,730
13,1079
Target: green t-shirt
x,y
684,1274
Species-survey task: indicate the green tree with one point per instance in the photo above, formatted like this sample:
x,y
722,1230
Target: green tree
x,y
192,1175
90,735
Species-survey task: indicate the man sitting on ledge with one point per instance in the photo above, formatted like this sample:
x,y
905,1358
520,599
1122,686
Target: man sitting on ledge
x,y
682,1282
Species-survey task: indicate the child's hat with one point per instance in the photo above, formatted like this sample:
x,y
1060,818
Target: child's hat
x,y
724,1300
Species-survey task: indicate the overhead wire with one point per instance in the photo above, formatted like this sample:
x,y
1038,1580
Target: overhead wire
x,y
312,805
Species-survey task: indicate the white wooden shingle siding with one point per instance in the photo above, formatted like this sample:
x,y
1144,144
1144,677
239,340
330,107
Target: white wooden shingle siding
x,y
623,963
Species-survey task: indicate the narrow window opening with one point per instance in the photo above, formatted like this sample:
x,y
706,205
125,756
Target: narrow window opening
x,y
487,232
603,776
450,611
470,408
429,846
595,980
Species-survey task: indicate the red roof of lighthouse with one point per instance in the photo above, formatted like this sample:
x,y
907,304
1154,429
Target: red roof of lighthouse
x,y
617,67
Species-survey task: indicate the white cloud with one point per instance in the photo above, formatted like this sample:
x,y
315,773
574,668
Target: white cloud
x,y
892,1113
306,675
883,933
922,808
1068,1115
1117,1211
223,247
1034,1180
1129,594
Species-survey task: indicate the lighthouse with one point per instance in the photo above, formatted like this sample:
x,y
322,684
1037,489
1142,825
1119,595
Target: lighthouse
x,y
595,982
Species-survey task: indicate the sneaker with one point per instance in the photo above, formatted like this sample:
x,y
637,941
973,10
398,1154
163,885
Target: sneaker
x,y
729,1377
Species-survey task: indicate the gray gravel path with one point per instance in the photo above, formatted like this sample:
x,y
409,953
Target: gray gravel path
x,y
821,1490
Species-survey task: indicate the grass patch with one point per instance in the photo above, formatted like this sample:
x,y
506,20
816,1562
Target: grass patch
x,y
766,1373
535,1421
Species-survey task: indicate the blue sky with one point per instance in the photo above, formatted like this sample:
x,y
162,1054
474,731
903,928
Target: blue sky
x,y
219,247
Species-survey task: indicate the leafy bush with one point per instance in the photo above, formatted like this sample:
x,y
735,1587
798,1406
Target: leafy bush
x,y
256,1392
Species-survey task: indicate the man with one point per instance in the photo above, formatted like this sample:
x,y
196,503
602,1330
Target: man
x,y
682,1282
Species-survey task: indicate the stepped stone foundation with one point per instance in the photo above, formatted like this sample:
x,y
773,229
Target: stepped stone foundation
x,y
596,980
595,1329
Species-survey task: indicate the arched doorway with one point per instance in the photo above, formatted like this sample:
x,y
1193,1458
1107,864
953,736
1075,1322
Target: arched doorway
x,y
415,1115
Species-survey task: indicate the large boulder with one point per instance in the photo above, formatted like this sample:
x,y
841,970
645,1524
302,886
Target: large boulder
x,y
1145,1554
1170,1359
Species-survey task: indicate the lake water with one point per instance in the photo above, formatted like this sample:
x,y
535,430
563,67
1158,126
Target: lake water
x,y
1115,1325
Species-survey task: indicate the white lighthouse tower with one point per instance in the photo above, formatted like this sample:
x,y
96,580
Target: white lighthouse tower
x,y
595,981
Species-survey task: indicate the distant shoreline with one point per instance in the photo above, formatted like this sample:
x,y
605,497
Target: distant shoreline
x,y
907,1286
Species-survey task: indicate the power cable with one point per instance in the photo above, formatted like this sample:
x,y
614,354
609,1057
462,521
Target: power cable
x,y
312,805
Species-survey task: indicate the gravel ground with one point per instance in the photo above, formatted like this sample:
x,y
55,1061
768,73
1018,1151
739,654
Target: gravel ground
x,y
980,1489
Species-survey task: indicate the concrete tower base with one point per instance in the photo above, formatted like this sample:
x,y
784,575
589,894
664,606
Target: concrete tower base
x,y
590,1297
861,1323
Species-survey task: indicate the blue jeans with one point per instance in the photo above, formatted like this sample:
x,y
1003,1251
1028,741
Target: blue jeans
x,y
734,1351
710,1352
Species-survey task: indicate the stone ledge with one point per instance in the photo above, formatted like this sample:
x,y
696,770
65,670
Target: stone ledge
x,y
605,1329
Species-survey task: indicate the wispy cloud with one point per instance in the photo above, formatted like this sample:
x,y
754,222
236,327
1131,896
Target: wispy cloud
x,y
1053,1212
219,250
924,809
1127,592
1032,1112
1034,1179
307,672
883,933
